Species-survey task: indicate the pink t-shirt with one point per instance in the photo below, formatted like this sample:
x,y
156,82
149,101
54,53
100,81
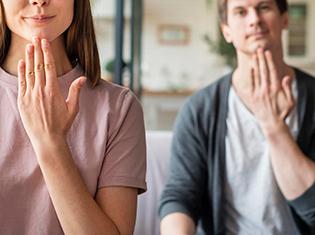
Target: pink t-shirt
x,y
107,142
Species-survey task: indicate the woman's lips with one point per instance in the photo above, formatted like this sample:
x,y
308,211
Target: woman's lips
x,y
39,19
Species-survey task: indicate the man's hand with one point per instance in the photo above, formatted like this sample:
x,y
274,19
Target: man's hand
x,y
271,96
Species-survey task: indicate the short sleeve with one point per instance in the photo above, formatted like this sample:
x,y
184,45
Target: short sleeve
x,y
125,155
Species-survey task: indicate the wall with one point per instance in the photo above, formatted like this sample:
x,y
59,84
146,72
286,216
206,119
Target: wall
x,y
104,22
193,65
185,66
307,62
164,66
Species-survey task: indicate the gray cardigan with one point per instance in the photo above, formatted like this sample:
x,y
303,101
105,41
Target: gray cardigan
x,y
197,168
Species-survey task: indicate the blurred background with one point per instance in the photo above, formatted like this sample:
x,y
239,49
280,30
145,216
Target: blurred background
x,y
165,50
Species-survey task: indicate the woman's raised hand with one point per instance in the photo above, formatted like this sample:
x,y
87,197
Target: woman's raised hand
x,y
45,114
272,98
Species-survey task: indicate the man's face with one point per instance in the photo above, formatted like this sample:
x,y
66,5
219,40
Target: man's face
x,y
254,23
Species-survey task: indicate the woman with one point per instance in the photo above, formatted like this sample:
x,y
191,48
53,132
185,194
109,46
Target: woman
x,y
72,147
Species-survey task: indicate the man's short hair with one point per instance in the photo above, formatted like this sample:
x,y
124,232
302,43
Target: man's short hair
x,y
222,6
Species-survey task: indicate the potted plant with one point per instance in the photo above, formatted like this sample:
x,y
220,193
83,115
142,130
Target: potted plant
x,y
221,47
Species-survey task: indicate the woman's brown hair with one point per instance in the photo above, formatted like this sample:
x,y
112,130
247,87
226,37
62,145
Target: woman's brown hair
x,y
80,41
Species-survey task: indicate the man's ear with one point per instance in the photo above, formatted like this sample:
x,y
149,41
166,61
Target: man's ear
x,y
226,32
285,20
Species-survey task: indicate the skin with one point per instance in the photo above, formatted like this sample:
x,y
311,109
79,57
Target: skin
x,y
47,117
263,82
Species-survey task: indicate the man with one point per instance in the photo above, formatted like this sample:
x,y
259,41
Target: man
x,y
243,153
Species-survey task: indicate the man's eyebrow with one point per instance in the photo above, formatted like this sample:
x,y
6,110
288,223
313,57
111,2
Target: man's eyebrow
x,y
265,1
237,8
241,5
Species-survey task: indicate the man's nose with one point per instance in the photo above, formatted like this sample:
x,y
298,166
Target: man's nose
x,y
253,17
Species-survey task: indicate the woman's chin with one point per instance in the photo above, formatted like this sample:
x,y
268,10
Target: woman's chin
x,y
43,34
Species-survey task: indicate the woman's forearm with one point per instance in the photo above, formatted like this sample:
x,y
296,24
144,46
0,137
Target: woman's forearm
x,y
77,211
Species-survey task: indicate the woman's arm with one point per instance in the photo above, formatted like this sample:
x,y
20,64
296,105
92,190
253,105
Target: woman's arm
x,y
113,212
47,117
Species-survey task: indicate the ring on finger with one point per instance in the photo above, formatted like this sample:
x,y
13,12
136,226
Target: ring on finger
x,y
40,67
49,66
31,73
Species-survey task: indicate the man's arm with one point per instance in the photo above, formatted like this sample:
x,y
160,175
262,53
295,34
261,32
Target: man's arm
x,y
177,223
293,170
181,201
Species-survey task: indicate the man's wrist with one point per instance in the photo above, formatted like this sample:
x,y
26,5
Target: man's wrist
x,y
275,130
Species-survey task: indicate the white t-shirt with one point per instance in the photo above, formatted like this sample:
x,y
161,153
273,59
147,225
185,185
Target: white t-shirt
x,y
254,203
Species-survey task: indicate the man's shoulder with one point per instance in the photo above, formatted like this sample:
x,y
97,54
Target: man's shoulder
x,y
210,93
306,82
300,74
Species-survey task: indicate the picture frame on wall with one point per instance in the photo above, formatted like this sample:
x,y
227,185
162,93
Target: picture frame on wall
x,y
173,34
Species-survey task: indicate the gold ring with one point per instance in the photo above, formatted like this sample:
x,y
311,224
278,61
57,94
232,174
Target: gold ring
x,y
49,66
40,67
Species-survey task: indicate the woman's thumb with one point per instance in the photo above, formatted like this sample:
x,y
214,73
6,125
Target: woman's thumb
x,y
74,94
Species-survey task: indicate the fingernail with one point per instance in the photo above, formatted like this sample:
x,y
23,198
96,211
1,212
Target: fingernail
x,y
29,48
21,63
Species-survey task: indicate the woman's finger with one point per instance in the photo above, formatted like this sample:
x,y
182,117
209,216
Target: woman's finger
x,y
21,79
29,63
263,70
38,64
50,70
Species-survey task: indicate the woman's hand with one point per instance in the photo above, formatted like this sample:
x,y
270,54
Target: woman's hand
x,y
45,114
272,99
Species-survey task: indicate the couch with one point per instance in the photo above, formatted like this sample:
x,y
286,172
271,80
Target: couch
x,y
158,155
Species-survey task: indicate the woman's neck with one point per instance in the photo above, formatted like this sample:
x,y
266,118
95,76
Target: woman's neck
x,y
17,52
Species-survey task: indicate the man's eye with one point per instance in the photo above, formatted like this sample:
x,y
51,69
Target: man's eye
x,y
240,12
264,8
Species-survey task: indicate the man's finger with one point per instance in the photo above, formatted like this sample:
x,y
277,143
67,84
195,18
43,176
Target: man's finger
x,y
273,73
287,88
263,70
256,74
